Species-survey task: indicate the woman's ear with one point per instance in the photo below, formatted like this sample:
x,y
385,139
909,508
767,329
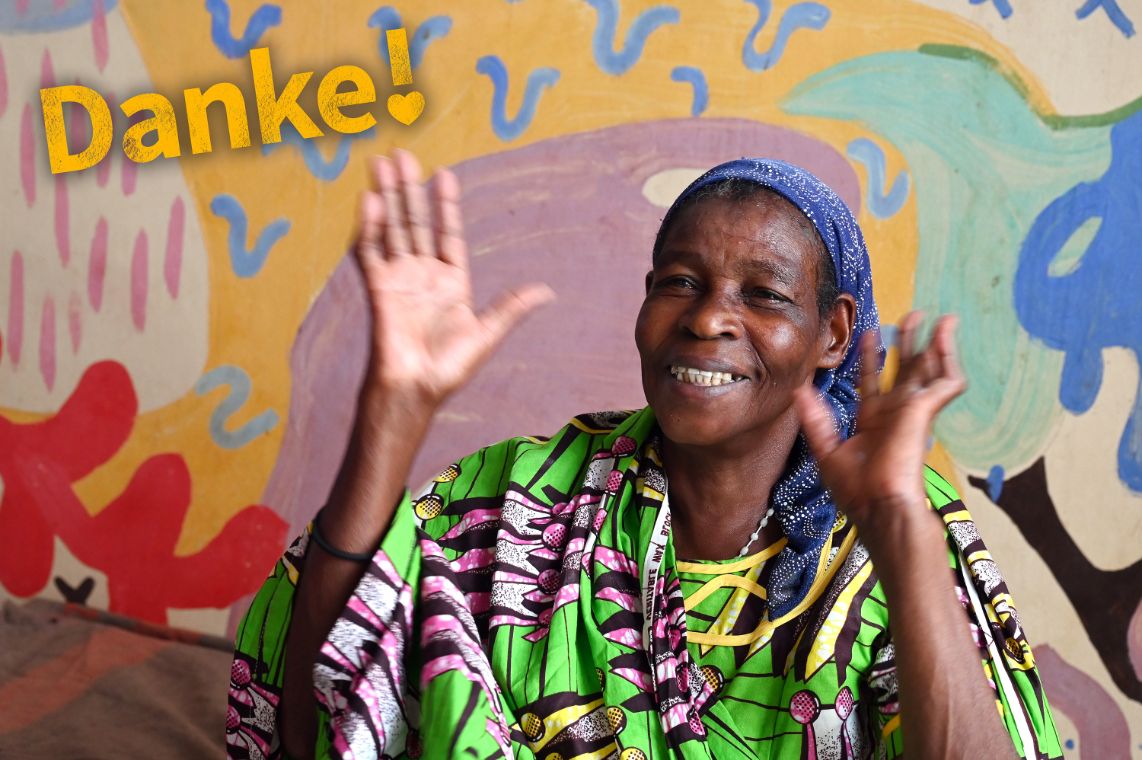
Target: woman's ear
x,y
837,331
649,281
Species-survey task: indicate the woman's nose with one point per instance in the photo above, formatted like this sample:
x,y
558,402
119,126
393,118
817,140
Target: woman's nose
x,y
713,315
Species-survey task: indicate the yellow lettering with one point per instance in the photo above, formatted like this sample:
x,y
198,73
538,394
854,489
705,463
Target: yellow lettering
x,y
198,125
272,109
102,129
163,124
330,101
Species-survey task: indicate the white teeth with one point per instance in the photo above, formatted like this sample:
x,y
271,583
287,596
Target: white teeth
x,y
702,377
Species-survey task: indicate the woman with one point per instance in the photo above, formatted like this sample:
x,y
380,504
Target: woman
x,y
685,580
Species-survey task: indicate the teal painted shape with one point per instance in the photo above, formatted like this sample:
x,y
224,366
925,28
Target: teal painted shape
x,y
983,166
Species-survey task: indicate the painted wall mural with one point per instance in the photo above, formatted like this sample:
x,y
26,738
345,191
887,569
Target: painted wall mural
x,y
181,342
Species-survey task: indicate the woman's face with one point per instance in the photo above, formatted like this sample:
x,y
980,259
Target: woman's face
x,y
730,324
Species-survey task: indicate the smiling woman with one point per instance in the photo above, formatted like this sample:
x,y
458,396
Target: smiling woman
x,y
589,594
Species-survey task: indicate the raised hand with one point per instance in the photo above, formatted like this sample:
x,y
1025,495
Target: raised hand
x,y
879,470
427,338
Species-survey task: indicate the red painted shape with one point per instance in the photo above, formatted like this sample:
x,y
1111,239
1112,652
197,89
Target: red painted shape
x,y
132,540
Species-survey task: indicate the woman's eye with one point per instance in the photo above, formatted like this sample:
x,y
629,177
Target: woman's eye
x,y
678,282
763,294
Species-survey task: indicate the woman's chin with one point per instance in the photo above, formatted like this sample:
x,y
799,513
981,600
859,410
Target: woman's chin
x,y
694,430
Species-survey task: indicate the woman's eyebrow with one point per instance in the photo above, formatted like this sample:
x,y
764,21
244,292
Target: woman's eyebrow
x,y
678,256
775,269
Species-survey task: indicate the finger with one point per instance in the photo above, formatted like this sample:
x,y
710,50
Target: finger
x,y
396,241
926,364
817,423
449,225
369,246
950,381
906,335
507,310
906,373
869,359
414,198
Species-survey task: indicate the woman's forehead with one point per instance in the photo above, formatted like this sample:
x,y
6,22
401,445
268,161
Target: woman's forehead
x,y
762,221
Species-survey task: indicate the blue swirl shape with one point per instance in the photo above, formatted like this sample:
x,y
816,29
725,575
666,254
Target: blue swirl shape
x,y
246,263
1094,306
696,78
1001,6
1113,12
616,62
799,16
387,18
43,16
509,129
881,203
314,161
266,17
239,383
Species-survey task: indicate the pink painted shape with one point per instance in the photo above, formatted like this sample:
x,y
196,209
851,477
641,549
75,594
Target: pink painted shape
x,y
139,281
62,220
16,307
22,6
75,320
103,168
27,156
97,265
48,343
1103,730
172,262
59,5
3,84
129,176
47,71
99,33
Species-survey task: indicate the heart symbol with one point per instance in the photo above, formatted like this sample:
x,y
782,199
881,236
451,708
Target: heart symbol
x,y
406,108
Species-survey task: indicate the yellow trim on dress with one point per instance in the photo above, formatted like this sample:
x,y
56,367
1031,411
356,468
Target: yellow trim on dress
x,y
723,581
745,563
766,626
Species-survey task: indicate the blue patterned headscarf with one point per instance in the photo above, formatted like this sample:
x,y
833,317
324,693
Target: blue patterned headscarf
x,y
803,507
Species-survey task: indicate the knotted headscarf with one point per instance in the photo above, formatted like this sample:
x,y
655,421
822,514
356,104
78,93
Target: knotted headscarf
x,y
802,505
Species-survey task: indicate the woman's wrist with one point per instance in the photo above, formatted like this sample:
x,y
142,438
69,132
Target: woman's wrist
x,y
898,531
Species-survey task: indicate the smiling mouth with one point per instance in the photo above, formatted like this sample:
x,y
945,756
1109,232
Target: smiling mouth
x,y
691,376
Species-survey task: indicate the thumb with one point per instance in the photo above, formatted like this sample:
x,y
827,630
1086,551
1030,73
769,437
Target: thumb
x,y
816,422
510,307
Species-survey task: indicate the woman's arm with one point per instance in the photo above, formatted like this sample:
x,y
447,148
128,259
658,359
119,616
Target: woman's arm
x,y
947,707
427,341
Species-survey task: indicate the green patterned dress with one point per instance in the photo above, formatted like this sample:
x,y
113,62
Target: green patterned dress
x,y
529,604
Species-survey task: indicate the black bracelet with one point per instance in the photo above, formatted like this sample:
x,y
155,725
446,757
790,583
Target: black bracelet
x,y
333,550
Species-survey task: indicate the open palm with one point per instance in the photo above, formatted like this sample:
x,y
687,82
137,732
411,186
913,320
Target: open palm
x,y
880,468
427,338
